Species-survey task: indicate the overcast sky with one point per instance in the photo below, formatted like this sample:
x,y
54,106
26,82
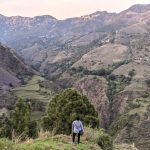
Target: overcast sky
x,y
63,8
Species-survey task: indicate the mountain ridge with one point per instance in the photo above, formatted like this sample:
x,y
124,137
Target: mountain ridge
x,y
136,7
139,8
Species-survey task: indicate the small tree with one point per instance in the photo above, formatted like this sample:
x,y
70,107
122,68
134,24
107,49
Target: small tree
x,y
21,120
21,117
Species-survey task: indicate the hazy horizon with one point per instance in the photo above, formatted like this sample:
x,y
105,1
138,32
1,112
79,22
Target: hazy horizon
x,y
62,9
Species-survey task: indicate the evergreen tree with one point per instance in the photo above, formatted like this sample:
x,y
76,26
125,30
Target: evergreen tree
x,y
21,117
64,108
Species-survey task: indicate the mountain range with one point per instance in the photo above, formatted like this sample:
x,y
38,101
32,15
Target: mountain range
x,y
106,56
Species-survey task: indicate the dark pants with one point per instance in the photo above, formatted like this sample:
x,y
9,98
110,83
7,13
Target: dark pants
x,y
73,138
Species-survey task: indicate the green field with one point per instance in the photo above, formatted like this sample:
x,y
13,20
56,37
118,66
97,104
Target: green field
x,y
59,142
39,95
32,90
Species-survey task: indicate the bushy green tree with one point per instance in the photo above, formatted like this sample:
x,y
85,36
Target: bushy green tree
x,y
21,119
64,108
104,140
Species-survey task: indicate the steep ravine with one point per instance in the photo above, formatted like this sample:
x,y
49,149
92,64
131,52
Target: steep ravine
x,y
95,88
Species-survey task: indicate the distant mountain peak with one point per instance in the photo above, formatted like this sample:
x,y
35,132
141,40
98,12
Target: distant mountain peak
x,y
139,8
100,12
30,19
2,16
45,17
97,14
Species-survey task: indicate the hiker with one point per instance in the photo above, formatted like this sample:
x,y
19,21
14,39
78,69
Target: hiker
x,y
77,129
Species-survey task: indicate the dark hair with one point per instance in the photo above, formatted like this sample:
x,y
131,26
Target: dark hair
x,y
78,118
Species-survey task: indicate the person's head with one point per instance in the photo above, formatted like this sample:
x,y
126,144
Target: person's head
x,y
78,118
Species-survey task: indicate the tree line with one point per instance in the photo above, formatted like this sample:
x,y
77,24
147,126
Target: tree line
x,y
63,108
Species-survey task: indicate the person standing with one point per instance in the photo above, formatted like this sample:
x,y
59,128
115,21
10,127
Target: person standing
x,y
77,129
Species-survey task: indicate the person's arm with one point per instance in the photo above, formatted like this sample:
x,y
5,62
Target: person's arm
x,y
72,127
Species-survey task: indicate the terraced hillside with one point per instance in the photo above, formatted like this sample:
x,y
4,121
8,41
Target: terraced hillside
x,y
12,72
35,92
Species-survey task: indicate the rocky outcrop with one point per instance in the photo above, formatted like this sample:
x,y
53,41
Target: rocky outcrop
x,y
95,88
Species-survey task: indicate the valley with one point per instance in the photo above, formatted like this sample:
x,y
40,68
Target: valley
x,y
105,56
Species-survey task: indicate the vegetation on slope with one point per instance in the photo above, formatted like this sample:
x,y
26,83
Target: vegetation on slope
x,y
95,139
22,127
48,142
64,108
32,89
19,123
35,92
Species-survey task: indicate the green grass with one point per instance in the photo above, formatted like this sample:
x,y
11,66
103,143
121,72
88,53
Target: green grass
x,y
36,78
47,141
52,144
47,144
32,90
56,143
29,87
32,85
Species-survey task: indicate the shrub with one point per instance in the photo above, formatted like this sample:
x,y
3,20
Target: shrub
x,y
104,141
131,73
100,137
112,77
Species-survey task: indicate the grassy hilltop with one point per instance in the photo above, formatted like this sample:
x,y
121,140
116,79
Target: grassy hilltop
x,y
57,142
